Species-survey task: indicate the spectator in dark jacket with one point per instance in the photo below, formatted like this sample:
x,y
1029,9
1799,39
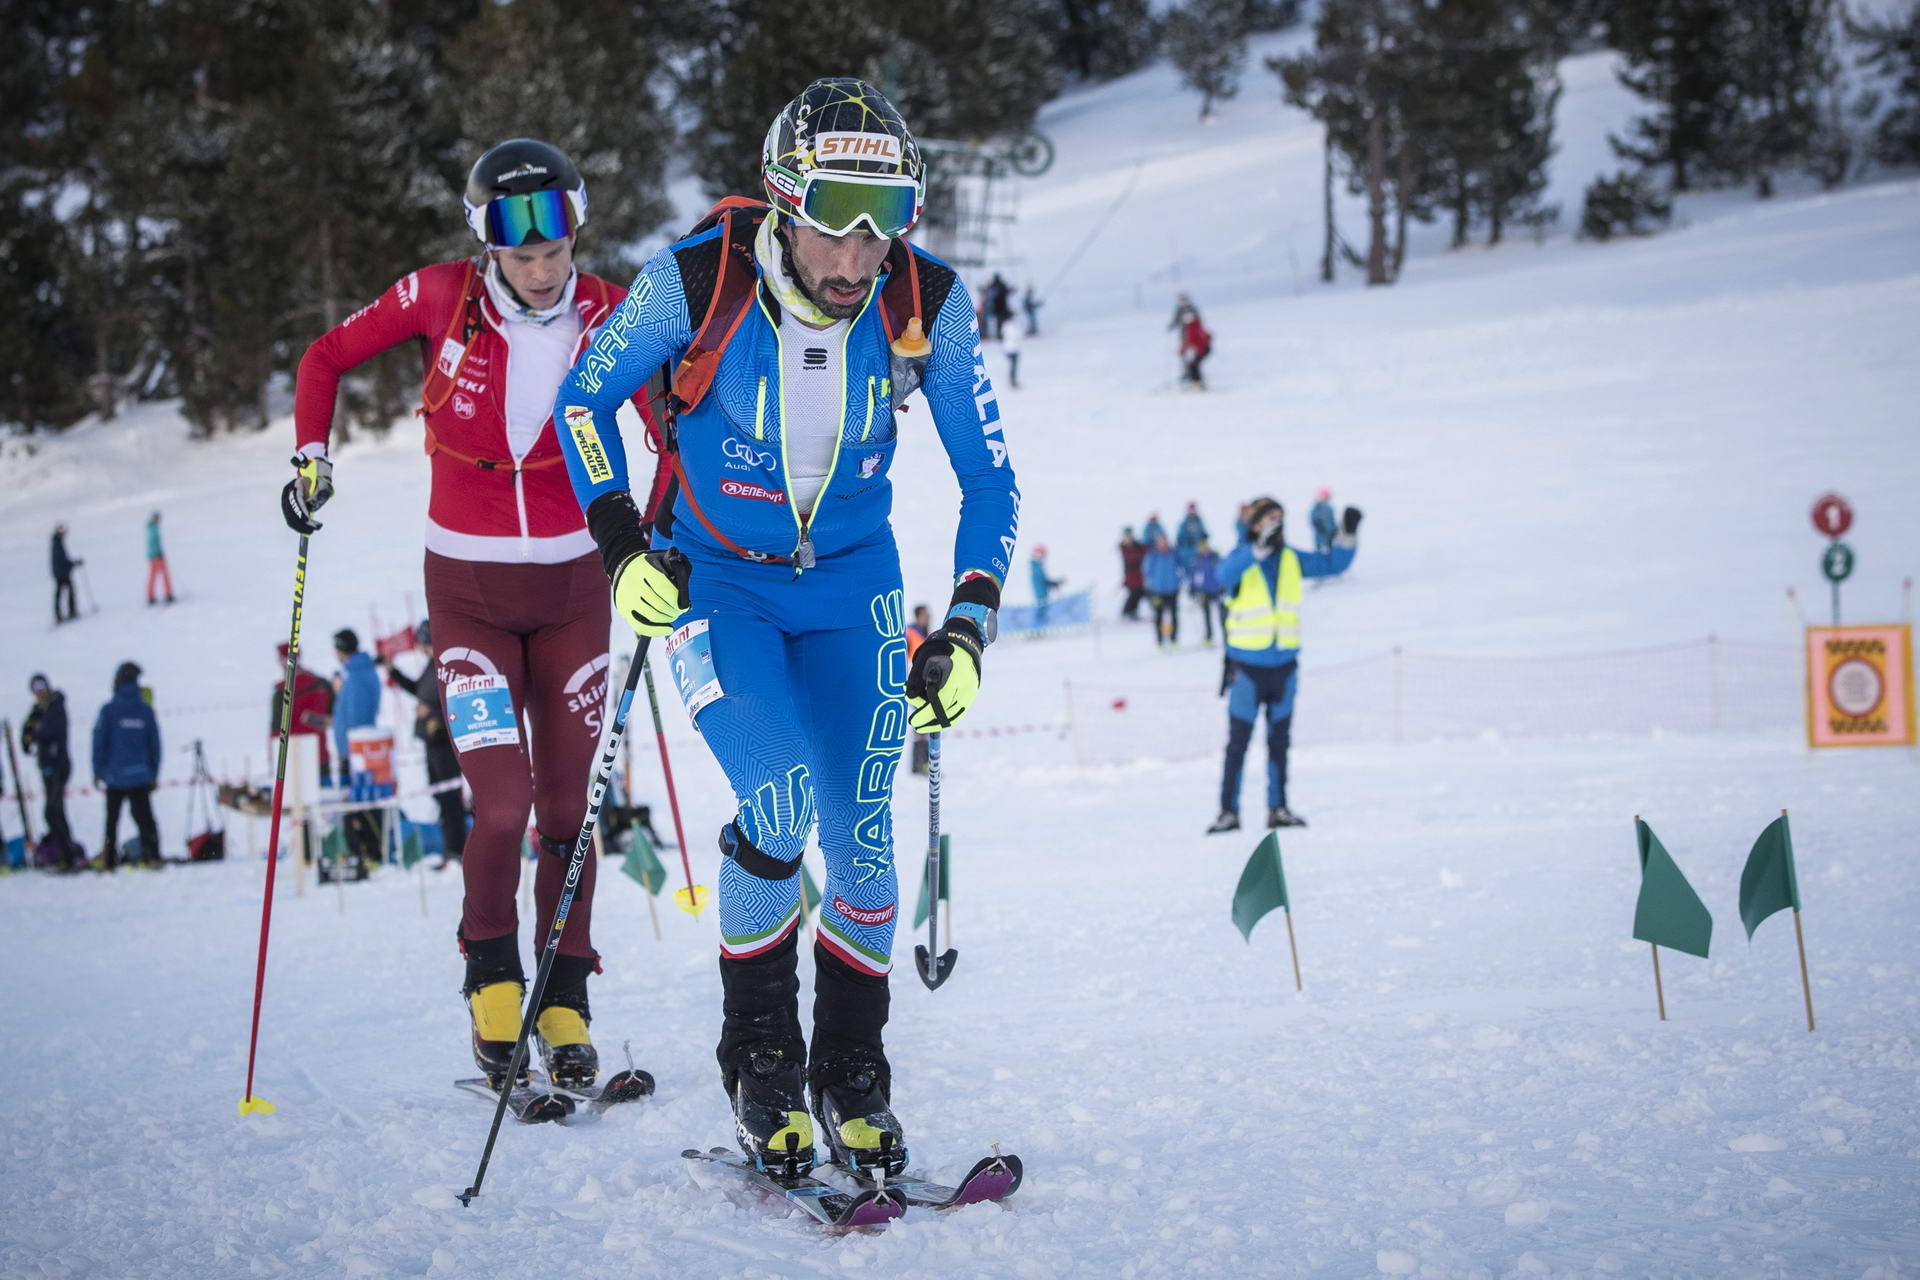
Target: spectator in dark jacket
x,y
44,737
126,764
1203,580
63,567
1132,552
430,726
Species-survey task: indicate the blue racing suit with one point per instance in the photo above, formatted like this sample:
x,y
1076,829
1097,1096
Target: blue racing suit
x,y
1263,668
794,673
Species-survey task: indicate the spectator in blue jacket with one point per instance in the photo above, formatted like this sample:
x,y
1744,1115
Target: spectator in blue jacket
x,y
1203,580
1323,521
126,764
1043,584
356,692
1162,572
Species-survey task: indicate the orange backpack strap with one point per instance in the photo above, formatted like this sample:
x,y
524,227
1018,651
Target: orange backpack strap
x,y
450,356
728,302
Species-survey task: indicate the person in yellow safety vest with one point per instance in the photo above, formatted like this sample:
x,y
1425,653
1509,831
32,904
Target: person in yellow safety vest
x,y
1263,576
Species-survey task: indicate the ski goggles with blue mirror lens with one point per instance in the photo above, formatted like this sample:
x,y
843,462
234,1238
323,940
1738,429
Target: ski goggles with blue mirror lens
x,y
838,203
510,221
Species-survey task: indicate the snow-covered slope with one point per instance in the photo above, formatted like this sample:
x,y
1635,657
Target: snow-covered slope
x,y
1560,448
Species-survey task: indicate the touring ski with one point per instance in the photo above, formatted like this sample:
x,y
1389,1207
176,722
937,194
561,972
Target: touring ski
x,y
630,1085
994,1178
528,1105
825,1204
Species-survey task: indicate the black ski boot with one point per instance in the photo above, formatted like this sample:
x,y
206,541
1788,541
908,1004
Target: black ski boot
x,y
763,1058
495,989
566,1052
849,1083
1281,816
1227,821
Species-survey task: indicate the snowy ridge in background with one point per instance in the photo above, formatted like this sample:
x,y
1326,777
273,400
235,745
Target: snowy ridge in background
x,y
1562,449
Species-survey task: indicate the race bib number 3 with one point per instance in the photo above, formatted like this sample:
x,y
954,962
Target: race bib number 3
x,y
690,653
480,713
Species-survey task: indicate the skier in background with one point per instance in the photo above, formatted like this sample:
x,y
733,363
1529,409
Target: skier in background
x,y
999,305
1183,308
787,600
1152,530
430,727
1010,348
514,591
1323,521
1187,538
63,567
1263,649
157,560
1044,584
1203,581
44,736
126,765
1031,304
1132,552
1196,343
1161,569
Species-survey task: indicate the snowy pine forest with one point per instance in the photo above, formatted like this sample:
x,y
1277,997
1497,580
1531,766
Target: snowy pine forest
x,y
1586,469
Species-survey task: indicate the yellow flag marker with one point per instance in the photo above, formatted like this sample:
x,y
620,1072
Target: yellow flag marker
x,y
693,899
252,1106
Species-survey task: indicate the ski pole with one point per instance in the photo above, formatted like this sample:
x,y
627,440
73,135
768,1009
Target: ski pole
x,y
596,793
20,792
250,1105
87,589
934,968
694,898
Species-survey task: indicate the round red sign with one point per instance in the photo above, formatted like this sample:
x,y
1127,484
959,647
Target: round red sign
x,y
1831,514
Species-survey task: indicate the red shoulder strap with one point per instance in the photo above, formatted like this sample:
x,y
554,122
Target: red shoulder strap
x,y
732,297
450,356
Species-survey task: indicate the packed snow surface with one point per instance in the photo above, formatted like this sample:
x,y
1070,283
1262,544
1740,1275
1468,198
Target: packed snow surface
x,y
1573,459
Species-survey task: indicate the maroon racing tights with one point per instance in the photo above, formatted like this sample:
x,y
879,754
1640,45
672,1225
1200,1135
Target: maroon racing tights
x,y
522,652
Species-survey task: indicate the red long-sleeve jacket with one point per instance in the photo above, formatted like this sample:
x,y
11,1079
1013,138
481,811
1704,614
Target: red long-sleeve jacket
x,y
483,505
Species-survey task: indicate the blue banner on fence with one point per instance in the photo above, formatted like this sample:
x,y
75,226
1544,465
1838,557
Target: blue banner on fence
x,y
1059,614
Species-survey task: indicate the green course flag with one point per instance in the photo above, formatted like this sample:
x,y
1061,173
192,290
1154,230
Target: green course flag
x,y
333,847
946,882
1669,913
809,891
642,864
1263,886
1769,883
410,848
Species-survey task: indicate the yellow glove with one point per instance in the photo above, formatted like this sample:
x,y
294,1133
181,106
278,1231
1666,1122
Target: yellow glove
x,y
650,590
945,677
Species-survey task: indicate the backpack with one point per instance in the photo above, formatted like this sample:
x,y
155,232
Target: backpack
x,y
720,281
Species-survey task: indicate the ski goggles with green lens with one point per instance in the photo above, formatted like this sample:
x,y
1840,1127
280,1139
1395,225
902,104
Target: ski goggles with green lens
x,y
838,203
510,221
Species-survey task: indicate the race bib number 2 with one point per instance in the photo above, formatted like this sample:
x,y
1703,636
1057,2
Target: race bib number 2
x,y
480,713
690,654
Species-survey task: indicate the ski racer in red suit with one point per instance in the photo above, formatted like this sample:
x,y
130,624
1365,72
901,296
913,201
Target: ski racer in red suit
x,y
516,596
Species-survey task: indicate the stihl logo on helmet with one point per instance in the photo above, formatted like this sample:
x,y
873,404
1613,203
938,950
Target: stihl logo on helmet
x,y
883,147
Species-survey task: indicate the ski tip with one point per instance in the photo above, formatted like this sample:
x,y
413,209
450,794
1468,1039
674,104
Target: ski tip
x,y
872,1209
628,1085
256,1106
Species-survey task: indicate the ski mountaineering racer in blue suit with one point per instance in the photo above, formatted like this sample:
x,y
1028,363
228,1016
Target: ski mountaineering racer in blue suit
x,y
773,574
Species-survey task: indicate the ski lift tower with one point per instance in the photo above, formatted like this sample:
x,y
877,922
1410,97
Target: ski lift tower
x,y
972,204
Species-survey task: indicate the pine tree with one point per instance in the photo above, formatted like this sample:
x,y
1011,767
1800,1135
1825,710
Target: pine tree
x,y
1891,47
1207,41
1679,57
1785,69
1101,39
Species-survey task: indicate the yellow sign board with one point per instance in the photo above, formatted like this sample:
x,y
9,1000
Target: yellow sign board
x,y
1860,686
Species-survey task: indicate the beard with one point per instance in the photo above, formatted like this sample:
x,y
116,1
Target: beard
x,y
815,287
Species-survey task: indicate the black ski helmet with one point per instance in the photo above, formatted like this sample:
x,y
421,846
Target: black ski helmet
x,y
528,169
126,673
839,125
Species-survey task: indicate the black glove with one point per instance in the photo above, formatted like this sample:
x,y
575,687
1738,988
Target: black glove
x,y
1227,673
1350,521
306,493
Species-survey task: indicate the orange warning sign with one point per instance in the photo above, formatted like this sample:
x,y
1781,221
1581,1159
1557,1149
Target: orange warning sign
x,y
1860,686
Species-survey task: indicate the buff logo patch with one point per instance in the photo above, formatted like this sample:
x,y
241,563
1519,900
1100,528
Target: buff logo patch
x,y
586,438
